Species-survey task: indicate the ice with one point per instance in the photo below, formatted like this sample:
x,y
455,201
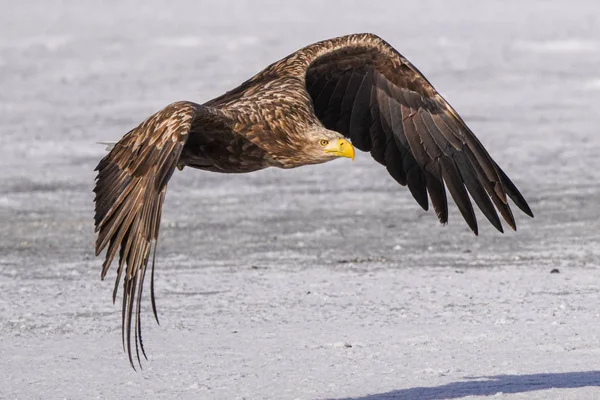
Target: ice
x,y
567,47
324,282
181,41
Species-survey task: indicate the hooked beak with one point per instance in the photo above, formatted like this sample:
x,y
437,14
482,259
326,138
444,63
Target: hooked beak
x,y
340,148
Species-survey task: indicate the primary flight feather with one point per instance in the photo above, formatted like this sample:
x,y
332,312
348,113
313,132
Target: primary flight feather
x,y
311,107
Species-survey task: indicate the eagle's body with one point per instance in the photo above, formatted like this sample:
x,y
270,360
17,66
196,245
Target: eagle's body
x,y
300,110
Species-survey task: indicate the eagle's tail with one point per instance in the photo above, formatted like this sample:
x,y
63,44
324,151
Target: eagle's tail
x,y
130,190
109,145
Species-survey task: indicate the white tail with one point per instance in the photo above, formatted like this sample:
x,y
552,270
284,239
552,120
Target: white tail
x,y
109,145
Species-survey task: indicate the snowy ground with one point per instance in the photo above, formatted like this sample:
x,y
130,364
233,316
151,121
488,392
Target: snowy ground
x,y
301,284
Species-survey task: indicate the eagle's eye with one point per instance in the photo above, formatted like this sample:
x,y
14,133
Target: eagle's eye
x,y
323,142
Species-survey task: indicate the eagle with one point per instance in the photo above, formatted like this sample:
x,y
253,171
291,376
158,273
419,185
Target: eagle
x,y
313,106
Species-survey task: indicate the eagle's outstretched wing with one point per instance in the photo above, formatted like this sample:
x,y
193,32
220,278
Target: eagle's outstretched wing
x,y
130,189
363,88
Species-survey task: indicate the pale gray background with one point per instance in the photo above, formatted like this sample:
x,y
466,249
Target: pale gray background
x,y
263,279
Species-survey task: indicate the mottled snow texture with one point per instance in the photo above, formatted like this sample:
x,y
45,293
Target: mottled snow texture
x,y
324,282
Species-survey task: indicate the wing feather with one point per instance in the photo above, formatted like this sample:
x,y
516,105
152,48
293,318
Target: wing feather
x,y
456,187
347,103
333,111
360,114
378,138
321,101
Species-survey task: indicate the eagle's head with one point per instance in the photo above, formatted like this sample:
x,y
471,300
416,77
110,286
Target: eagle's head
x,y
322,145
314,146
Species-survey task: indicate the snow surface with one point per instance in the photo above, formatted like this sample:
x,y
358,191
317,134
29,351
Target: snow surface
x,y
323,282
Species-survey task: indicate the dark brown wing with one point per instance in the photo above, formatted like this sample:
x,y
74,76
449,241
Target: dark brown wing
x,y
130,190
363,88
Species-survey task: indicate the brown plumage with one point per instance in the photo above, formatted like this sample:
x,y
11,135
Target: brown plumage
x,y
295,112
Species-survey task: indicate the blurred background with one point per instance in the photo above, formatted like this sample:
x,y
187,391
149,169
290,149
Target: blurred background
x,y
297,262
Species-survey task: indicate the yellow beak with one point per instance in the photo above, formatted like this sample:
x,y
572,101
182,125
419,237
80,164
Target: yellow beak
x,y
341,148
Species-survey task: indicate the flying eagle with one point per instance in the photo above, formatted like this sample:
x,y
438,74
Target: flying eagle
x,y
311,107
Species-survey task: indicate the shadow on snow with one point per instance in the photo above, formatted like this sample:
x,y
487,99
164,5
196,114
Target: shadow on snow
x,y
490,385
